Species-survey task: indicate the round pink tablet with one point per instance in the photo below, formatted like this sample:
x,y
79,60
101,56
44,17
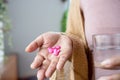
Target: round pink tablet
x,y
50,50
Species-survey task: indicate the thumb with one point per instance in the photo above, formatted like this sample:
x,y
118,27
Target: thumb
x,y
35,44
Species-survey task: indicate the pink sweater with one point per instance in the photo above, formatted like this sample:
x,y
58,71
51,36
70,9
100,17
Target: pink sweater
x,y
101,16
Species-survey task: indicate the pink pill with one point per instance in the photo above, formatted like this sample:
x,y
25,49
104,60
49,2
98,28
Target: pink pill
x,y
56,52
58,47
50,50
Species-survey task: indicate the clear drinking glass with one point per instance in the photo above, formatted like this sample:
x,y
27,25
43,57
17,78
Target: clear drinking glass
x,y
105,46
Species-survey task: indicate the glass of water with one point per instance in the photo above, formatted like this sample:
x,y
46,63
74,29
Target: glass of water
x,y
105,46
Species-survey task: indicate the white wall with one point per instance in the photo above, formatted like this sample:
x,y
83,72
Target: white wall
x,y
30,18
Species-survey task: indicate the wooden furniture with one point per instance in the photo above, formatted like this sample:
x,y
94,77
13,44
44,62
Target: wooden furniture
x,y
8,69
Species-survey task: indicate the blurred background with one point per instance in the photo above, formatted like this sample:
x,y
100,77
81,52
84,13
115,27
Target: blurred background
x,y
21,21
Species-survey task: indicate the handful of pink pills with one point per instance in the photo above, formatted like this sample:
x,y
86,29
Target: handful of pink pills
x,y
54,50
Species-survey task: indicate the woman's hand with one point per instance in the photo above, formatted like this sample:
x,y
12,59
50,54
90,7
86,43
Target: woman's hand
x,y
112,63
45,62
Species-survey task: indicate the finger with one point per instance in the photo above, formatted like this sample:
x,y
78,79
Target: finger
x,y
37,62
52,66
42,70
113,62
65,54
111,77
35,44
61,62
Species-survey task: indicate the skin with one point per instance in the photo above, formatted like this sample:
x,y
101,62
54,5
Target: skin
x,y
112,63
47,63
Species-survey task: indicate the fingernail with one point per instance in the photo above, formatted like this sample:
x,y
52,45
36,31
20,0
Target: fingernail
x,y
106,63
32,66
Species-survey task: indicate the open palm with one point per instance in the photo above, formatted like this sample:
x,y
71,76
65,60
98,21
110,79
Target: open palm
x,y
45,62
